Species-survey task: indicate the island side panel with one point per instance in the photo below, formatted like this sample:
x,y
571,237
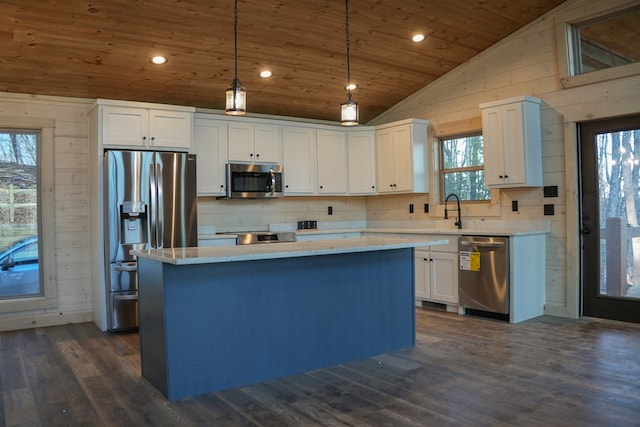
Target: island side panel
x,y
238,323
151,315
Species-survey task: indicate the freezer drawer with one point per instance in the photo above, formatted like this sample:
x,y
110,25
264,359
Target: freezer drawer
x,y
123,309
483,279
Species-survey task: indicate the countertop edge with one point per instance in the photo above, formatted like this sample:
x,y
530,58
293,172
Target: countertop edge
x,y
209,255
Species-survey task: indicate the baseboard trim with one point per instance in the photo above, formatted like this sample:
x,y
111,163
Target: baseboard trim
x,y
44,320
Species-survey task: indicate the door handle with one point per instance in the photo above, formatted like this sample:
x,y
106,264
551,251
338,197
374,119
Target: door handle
x,y
126,297
126,268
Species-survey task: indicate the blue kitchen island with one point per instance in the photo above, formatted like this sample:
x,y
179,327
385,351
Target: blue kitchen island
x,y
213,318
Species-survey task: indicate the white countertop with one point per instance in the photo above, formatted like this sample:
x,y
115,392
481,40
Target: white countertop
x,y
216,254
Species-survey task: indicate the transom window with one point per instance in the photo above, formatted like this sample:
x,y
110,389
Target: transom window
x,y
606,42
462,167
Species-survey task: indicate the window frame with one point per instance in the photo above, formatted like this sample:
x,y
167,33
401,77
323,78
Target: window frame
x,y
566,29
46,214
442,171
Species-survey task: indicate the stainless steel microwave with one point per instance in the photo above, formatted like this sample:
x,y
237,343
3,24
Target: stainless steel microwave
x,y
254,181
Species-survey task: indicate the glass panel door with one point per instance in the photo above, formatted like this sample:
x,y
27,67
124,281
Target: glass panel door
x,y
19,249
610,171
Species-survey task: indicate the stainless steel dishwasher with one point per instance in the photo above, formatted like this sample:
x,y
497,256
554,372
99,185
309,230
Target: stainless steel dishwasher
x,y
483,278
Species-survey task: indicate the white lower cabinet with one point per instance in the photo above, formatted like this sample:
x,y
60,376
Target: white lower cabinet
x,y
436,270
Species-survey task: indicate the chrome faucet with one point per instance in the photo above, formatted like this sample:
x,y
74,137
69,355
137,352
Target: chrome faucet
x,y
458,222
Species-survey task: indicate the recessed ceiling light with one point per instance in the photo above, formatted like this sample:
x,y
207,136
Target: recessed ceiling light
x,y
266,73
159,60
351,86
417,38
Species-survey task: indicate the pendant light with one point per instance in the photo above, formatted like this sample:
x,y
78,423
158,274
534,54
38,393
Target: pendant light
x,y
349,112
236,93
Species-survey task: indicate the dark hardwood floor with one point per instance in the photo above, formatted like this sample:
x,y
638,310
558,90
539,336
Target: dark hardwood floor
x,y
463,371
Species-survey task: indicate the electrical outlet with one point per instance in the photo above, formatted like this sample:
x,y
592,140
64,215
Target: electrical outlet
x,y
514,205
330,210
550,191
426,208
549,210
411,208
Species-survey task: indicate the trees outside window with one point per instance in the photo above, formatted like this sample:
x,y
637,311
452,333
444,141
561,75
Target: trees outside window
x,y
462,168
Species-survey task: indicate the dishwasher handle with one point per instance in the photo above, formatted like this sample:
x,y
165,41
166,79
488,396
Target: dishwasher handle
x,y
482,244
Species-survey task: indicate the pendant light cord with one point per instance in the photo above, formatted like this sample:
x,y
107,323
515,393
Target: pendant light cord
x,y
235,39
346,29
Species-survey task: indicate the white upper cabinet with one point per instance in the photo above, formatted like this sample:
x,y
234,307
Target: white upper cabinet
x,y
133,126
361,158
210,147
512,143
299,154
401,151
254,143
331,162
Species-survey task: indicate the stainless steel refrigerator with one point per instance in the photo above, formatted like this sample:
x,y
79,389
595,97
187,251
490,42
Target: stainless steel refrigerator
x,y
150,202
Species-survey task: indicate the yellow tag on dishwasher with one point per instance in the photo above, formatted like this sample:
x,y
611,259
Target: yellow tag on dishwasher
x,y
474,261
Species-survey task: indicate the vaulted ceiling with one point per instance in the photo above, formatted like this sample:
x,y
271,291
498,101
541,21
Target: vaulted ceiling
x,y
101,49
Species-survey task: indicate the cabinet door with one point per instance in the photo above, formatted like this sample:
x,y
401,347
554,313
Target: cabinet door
x,y
384,160
241,142
210,147
332,162
513,144
444,277
402,159
493,143
268,144
361,157
422,274
125,127
170,129
299,153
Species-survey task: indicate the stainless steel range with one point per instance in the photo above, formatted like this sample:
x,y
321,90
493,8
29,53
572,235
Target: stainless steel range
x,y
260,237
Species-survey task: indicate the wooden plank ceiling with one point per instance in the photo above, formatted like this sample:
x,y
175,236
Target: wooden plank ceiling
x,y
101,49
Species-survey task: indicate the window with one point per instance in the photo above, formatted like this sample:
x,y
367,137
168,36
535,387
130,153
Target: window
x,y
606,42
598,44
462,167
19,254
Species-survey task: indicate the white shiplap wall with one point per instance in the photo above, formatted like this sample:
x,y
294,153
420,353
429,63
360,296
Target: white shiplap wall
x,y
71,239
526,63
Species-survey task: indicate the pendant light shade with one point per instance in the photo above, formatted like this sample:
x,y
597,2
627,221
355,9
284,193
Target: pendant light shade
x,y
349,111
236,98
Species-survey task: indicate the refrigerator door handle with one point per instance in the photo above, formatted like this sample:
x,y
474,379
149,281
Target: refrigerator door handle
x,y
154,206
160,207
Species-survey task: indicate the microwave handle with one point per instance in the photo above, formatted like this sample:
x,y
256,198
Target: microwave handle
x,y
273,181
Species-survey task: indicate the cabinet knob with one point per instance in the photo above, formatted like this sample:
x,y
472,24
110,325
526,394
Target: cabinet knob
x,y
144,138
321,187
250,154
221,185
373,187
153,138
258,155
